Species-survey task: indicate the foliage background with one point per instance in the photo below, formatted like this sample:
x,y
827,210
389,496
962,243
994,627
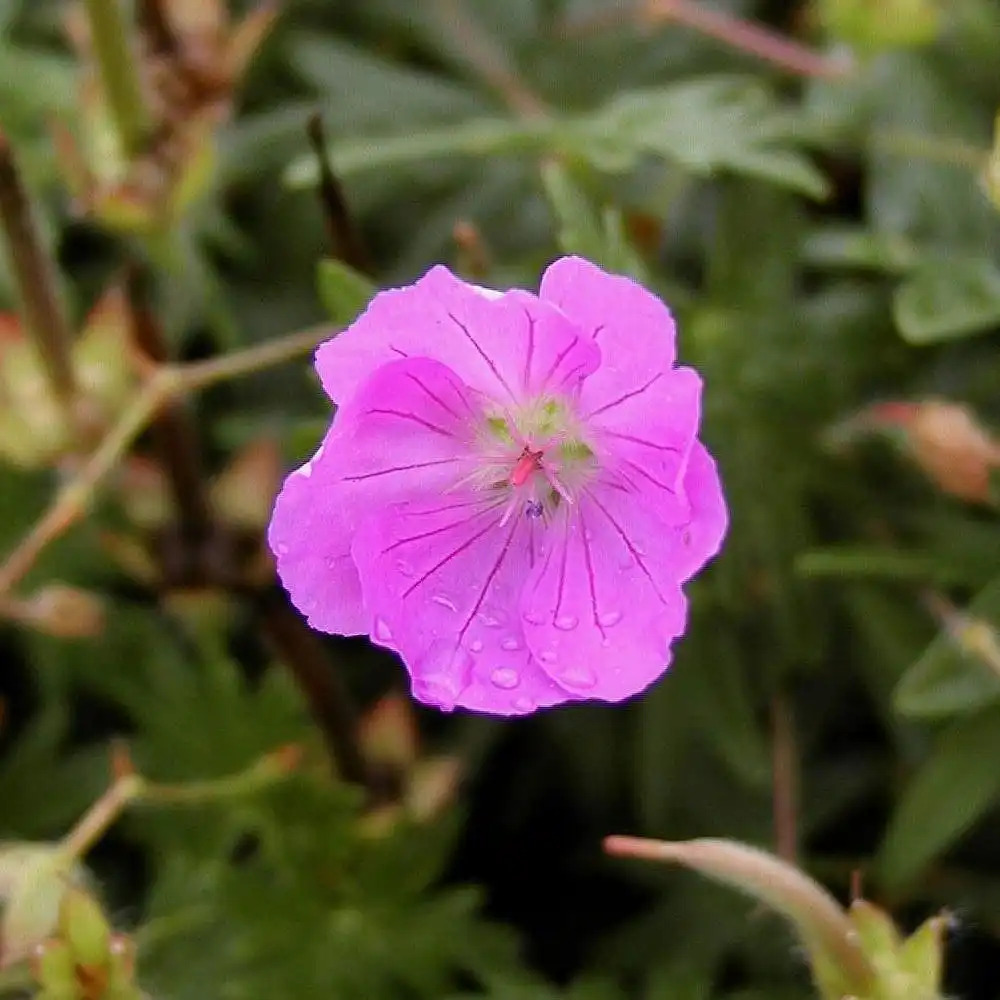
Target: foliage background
x,y
827,242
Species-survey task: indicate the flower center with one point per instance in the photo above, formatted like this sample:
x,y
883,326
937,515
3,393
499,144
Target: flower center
x,y
536,456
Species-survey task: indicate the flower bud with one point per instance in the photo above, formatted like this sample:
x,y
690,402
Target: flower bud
x,y
65,612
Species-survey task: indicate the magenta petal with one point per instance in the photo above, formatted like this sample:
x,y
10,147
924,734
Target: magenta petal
x,y
312,553
443,576
701,537
406,433
632,327
508,346
604,603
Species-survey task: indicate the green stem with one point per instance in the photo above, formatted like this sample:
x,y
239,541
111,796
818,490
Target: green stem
x,y
118,66
35,276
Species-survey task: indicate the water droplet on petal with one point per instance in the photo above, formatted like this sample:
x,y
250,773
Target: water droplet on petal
x,y
404,568
609,618
441,676
445,601
511,644
506,678
281,549
578,677
492,618
566,622
524,705
331,563
476,646
534,617
382,632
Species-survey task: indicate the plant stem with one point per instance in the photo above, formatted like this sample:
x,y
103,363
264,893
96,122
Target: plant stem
x,y
342,233
117,63
73,499
35,275
175,435
303,653
785,769
744,36
487,59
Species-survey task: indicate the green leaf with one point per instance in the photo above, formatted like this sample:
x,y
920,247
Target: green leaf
x,y
343,291
947,795
603,240
947,299
707,125
713,124
947,679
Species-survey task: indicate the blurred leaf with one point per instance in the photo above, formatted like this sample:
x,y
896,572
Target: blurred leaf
x,y
947,794
343,291
947,299
705,126
604,242
949,679
366,92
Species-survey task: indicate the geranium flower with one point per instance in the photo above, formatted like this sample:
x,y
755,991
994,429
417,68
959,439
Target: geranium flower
x,y
512,493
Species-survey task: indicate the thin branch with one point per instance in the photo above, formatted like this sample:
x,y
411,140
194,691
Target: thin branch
x,y
786,779
174,433
73,499
35,275
744,36
486,58
342,233
303,653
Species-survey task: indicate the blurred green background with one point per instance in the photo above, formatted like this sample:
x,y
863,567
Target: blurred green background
x,y
818,215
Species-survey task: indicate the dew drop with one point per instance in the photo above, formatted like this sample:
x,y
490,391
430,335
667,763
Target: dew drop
x,y
438,690
578,677
534,617
476,646
492,618
382,632
281,548
404,568
445,601
506,678
566,623
609,618
331,563
511,644
524,705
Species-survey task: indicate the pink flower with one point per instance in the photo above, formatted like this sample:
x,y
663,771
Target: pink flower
x,y
512,494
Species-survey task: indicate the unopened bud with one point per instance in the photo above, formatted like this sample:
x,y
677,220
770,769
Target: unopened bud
x,y
66,612
243,494
953,450
53,966
83,927
388,733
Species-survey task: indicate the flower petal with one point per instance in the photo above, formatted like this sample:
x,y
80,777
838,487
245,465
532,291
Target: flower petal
x,y
632,327
604,603
406,433
443,575
644,438
701,537
510,346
